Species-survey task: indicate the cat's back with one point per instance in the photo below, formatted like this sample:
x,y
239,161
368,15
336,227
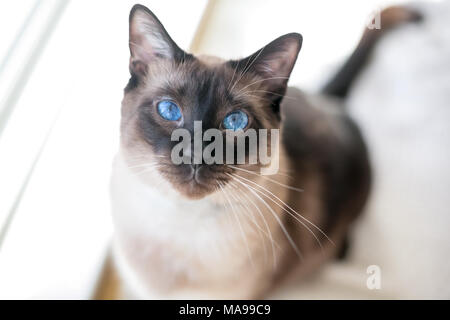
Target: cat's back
x,y
317,125
322,141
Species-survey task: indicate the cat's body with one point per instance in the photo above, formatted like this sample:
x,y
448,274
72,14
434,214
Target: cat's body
x,y
190,248
229,232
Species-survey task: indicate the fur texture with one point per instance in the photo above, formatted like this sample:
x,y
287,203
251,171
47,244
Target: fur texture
x,y
230,233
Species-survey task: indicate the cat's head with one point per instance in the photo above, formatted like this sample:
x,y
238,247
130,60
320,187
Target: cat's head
x,y
170,89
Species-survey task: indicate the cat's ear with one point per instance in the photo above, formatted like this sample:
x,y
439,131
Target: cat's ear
x,y
274,62
149,41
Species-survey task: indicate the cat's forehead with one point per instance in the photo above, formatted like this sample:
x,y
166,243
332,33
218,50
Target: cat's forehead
x,y
190,73
203,79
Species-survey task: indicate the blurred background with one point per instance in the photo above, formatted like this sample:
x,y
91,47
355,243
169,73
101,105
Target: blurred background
x,y
63,67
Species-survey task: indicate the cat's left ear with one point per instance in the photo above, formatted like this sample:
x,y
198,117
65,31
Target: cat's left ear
x,y
274,62
149,41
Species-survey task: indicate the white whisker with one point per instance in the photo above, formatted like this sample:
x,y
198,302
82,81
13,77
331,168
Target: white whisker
x,y
234,73
262,80
252,219
246,68
265,91
143,165
286,233
268,179
269,233
146,170
292,210
240,226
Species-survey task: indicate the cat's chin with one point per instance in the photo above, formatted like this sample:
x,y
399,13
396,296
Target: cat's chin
x,y
194,183
194,190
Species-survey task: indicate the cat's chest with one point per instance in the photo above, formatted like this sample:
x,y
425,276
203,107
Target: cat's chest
x,y
170,243
156,213
164,232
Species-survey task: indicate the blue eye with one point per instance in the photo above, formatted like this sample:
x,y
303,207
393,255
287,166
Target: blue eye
x,y
169,110
236,120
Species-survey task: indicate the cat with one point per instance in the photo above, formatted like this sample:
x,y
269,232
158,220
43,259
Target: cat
x,y
199,231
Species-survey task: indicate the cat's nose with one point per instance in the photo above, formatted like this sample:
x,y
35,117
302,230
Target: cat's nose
x,y
197,168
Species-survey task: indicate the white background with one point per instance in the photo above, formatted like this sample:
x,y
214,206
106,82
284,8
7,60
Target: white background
x,y
71,95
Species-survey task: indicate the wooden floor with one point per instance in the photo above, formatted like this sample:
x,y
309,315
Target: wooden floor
x,y
109,285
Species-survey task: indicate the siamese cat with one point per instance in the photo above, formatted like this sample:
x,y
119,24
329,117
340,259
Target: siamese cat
x,y
226,231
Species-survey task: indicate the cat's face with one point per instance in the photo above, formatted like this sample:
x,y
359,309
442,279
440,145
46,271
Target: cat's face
x,y
170,89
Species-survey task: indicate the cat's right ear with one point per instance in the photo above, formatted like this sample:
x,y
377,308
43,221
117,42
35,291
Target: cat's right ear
x,y
149,41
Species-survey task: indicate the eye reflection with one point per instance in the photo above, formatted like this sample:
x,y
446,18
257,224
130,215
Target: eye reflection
x,y
236,120
169,110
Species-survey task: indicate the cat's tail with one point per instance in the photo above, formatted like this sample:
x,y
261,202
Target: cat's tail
x,y
389,18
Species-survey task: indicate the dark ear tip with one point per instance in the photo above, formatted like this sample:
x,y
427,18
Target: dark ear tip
x,y
139,7
295,36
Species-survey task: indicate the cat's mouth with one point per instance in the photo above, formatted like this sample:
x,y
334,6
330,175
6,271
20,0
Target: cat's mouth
x,y
195,181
